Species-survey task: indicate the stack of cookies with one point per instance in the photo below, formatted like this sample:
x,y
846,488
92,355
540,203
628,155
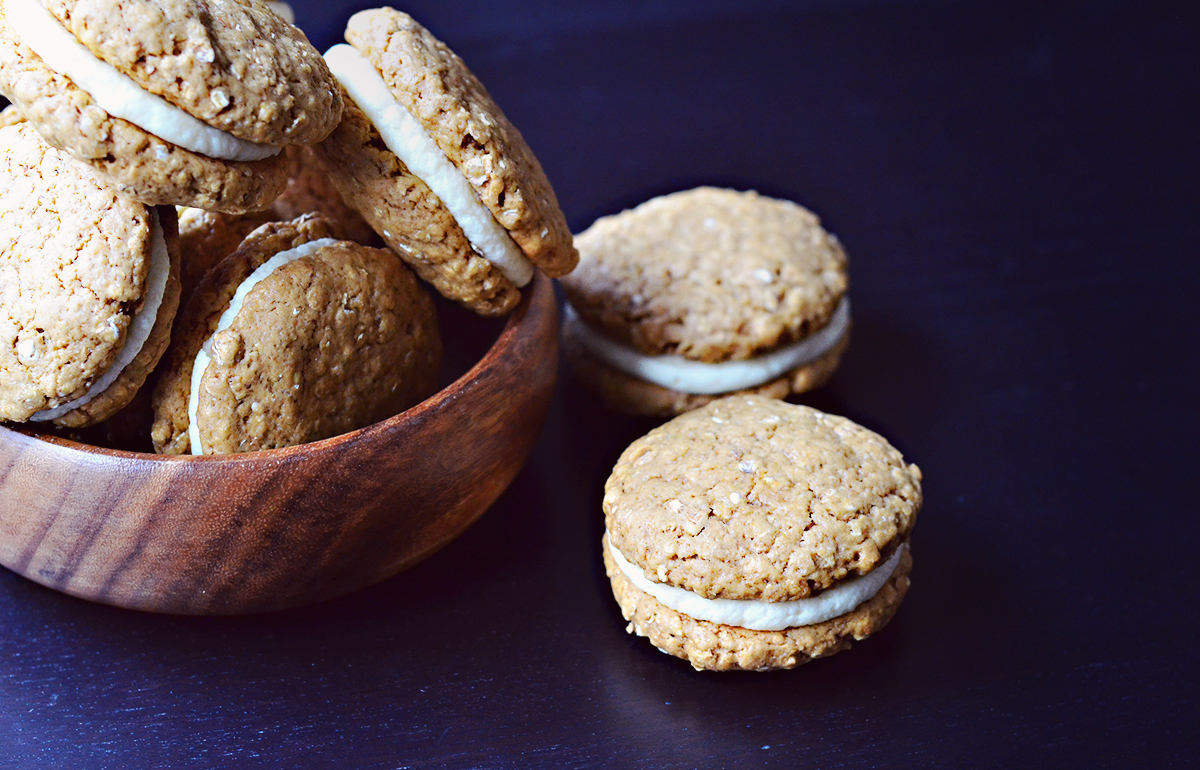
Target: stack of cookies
x,y
746,533
295,209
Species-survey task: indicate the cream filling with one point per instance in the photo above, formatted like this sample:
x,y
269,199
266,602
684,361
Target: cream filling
x,y
117,93
758,615
139,328
687,376
204,355
407,138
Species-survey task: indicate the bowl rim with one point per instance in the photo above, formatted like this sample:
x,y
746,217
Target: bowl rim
x,y
516,326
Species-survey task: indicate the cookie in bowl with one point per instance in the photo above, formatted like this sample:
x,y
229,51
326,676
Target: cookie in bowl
x,y
182,103
207,237
754,534
701,293
433,164
295,337
88,286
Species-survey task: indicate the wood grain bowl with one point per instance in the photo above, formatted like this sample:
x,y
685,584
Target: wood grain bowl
x,y
280,528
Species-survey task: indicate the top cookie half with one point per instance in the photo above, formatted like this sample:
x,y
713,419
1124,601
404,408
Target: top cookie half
x,y
709,274
185,102
755,498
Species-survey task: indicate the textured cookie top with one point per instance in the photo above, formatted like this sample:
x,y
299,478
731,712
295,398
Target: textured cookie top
x,y
74,255
331,341
198,320
235,65
149,168
754,498
434,84
709,274
323,345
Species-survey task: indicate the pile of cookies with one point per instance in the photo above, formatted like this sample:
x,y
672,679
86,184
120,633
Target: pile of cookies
x,y
746,533
195,202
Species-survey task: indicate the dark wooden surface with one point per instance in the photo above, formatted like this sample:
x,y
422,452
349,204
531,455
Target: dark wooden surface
x,y
1016,186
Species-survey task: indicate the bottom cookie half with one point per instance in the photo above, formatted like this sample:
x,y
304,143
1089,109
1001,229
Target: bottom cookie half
x,y
629,395
717,647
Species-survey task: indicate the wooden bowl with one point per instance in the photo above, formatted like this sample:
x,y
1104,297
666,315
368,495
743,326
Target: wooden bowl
x,y
227,534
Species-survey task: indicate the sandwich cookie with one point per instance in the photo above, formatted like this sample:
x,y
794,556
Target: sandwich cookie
x,y
184,103
89,285
293,338
437,169
207,237
701,293
755,534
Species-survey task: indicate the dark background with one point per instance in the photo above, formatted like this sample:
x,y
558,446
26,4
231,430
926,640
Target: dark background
x,y
1016,184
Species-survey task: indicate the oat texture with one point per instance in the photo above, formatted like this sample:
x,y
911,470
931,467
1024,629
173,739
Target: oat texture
x,y
207,237
434,84
326,344
150,169
199,316
410,218
718,647
74,257
754,498
311,191
234,64
709,274
128,385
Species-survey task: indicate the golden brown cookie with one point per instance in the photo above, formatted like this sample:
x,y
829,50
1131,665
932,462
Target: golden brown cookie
x,y
182,103
722,647
207,237
297,337
753,533
705,292
410,218
88,286
437,169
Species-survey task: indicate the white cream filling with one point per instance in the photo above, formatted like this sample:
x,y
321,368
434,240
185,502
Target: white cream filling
x,y
407,138
758,615
139,328
687,376
117,93
204,356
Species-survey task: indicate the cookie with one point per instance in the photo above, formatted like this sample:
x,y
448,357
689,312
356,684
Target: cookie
x,y
182,103
432,163
283,11
293,338
755,534
88,286
702,293
207,237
